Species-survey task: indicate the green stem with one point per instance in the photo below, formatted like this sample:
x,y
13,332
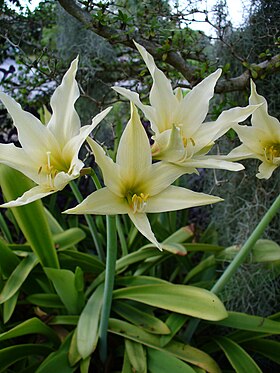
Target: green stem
x,y
121,236
109,283
238,259
90,222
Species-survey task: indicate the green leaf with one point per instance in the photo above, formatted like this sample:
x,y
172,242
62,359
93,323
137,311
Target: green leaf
x,y
238,320
188,300
126,368
180,236
64,320
68,238
238,358
10,355
88,324
140,318
8,259
89,263
139,280
31,326
265,347
136,355
201,267
203,247
18,277
9,307
45,300
265,251
177,349
137,256
5,230
31,218
163,362
64,284
175,321
58,360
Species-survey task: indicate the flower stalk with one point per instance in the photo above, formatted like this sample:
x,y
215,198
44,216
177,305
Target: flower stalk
x,y
109,283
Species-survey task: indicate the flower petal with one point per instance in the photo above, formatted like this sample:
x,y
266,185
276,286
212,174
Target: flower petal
x,y
163,174
33,135
31,195
65,122
261,118
176,198
148,111
162,97
134,152
17,158
110,170
194,107
71,149
168,145
265,170
252,136
241,152
212,162
141,222
101,202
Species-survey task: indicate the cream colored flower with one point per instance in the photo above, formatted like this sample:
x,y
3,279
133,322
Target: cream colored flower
x,y
48,153
135,186
181,135
261,140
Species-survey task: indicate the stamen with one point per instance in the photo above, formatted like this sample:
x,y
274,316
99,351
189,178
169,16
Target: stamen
x,y
271,152
40,170
139,202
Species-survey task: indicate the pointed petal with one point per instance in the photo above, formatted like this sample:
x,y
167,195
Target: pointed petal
x,y
162,97
212,162
236,115
33,135
265,170
31,195
176,198
110,170
241,152
73,146
194,107
252,137
261,118
163,174
142,223
148,111
134,152
17,158
101,202
65,122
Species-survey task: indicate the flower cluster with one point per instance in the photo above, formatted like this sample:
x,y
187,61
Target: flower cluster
x,y
139,181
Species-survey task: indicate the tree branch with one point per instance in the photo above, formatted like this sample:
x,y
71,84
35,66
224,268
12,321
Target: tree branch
x,y
174,58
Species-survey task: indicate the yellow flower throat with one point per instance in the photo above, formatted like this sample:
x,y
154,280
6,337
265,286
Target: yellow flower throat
x,y
271,152
137,202
51,169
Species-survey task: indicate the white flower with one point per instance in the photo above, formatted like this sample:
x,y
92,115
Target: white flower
x,y
48,153
261,140
181,135
135,186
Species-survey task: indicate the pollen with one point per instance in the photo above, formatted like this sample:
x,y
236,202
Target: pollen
x,y
186,141
139,202
272,152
